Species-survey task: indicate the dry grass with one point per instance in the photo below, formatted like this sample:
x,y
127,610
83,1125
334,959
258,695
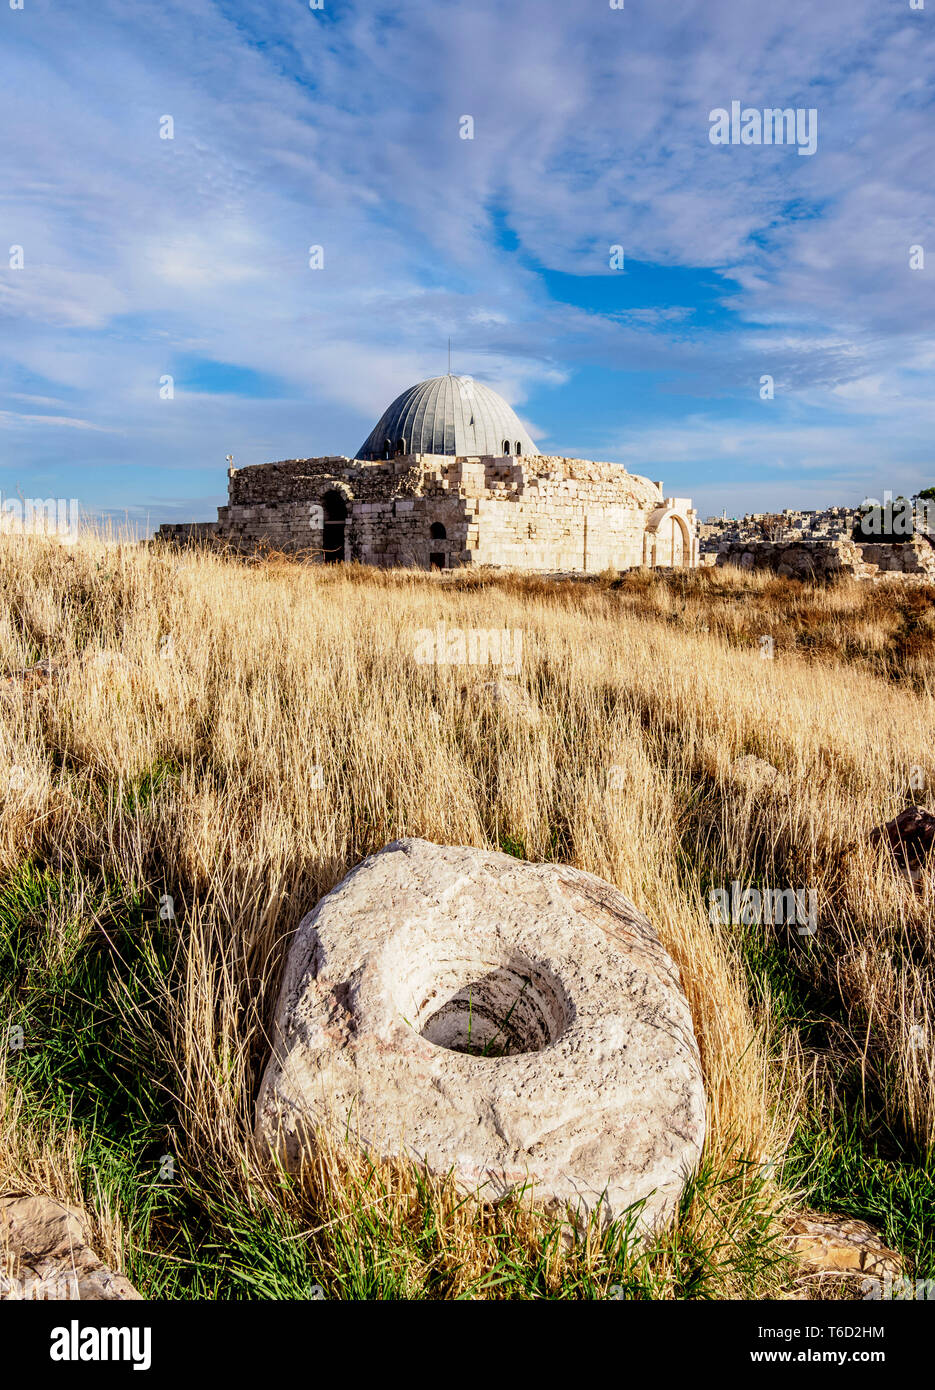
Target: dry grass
x,y
178,747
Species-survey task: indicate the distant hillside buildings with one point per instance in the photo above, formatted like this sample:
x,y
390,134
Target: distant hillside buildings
x,y
892,538
832,523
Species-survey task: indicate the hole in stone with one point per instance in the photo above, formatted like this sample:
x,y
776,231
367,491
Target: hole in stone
x,y
516,1008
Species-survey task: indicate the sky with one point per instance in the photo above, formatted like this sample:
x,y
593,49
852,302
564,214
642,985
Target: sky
x,y
134,258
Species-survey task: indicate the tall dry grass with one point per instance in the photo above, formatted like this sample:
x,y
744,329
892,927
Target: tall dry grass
x,y
283,730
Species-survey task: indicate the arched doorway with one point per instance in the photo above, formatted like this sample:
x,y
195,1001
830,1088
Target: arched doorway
x,y
678,543
332,541
668,538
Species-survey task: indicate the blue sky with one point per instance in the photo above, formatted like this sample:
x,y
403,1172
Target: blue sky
x,y
145,257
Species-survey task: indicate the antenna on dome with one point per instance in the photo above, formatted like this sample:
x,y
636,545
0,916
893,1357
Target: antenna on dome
x,y
449,357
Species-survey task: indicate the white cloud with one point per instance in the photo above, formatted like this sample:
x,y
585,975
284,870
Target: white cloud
x,y
591,128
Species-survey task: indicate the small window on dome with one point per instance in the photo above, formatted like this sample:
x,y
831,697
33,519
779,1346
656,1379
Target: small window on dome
x,y
518,449
506,446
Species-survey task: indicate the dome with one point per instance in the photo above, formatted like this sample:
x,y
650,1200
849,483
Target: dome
x,y
447,415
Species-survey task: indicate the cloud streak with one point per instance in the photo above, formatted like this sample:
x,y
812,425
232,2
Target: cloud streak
x,y
295,127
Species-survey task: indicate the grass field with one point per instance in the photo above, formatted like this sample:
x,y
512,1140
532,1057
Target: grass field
x,y
219,742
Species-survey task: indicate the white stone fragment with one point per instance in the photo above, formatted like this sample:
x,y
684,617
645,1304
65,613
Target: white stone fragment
x,y
511,1023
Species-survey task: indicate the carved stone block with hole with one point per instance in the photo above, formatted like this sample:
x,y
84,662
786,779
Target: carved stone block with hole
x,y
515,1024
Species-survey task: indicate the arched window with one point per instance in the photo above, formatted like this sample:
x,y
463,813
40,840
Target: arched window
x,y
518,449
438,532
506,446
387,448
400,447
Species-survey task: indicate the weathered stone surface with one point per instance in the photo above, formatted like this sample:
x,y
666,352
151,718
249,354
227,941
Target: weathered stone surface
x,y
45,1255
542,513
506,695
818,557
35,677
754,774
910,838
828,1244
513,1023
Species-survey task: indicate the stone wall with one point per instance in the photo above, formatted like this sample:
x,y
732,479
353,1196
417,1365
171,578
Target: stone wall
x,y
914,557
819,558
538,513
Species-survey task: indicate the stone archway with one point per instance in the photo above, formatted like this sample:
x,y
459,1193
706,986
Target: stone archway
x,y
678,542
670,536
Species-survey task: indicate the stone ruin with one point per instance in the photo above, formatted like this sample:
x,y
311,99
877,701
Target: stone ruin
x,y
838,540
543,513
450,478
912,560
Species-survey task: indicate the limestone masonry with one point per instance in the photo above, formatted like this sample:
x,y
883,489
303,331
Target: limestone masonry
x,y
810,559
838,540
449,477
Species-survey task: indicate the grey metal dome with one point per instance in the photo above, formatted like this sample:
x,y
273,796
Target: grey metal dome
x,y
447,415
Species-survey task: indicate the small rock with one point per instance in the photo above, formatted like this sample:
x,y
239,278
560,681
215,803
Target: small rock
x,y
840,1245
910,838
37,676
754,774
44,1255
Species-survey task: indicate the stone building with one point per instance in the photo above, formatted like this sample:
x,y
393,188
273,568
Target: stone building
x,y
448,477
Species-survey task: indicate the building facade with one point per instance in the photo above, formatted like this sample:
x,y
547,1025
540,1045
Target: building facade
x,y
449,477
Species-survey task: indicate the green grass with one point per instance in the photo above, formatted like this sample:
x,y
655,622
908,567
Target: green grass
x,y
70,950
141,794
844,1156
853,1164
82,961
